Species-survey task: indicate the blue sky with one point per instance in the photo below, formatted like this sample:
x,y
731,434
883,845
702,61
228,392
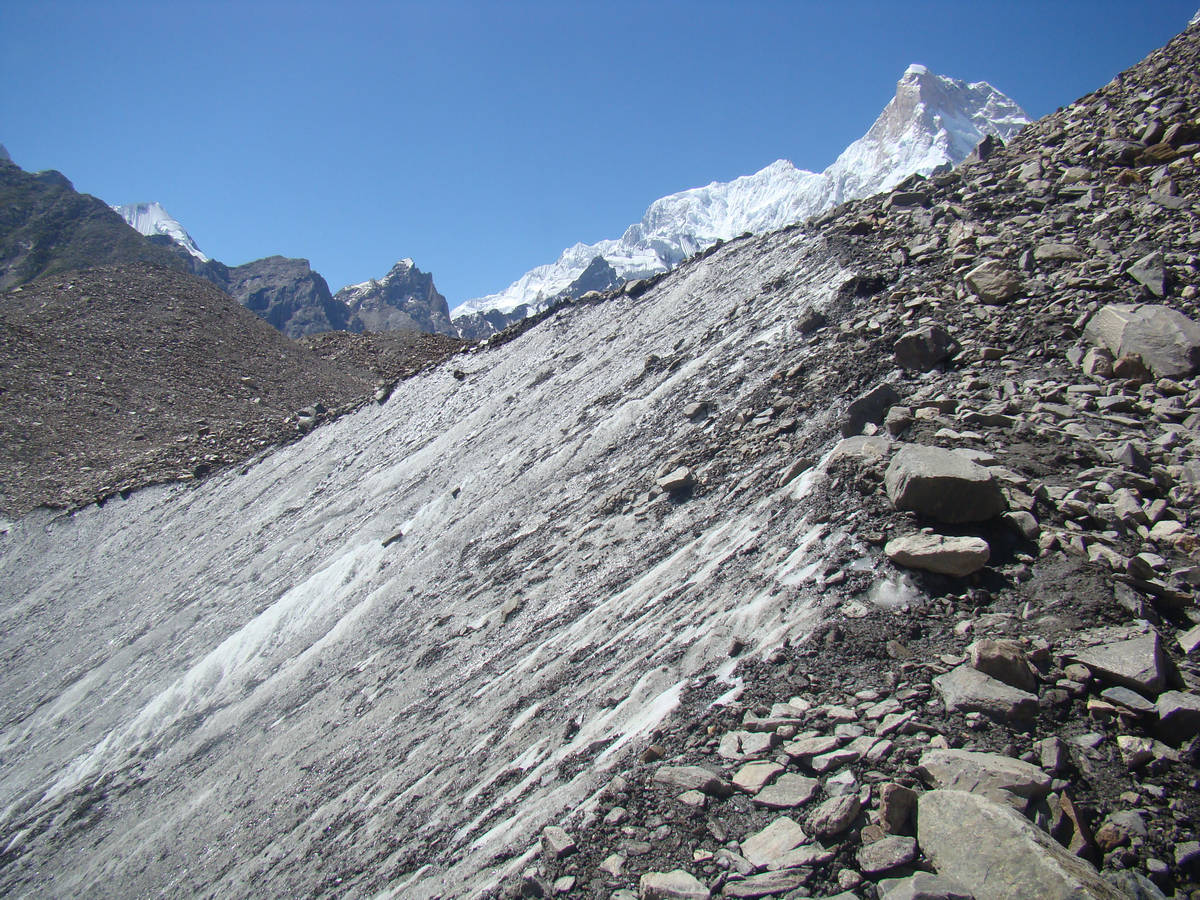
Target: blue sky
x,y
483,138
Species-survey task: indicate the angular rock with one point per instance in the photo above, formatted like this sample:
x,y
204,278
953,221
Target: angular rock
x,y
1178,716
676,885
1052,252
1137,663
788,791
989,774
767,884
993,282
1167,341
693,778
870,407
881,856
557,843
1005,661
958,556
753,777
834,816
968,690
765,846
922,349
677,480
745,744
995,852
1150,271
942,485
896,805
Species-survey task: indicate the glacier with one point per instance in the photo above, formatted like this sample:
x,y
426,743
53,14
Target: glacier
x,y
931,121
151,219
376,662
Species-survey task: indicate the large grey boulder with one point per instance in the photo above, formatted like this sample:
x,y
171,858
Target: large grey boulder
x,y
989,774
942,485
968,690
998,854
1167,341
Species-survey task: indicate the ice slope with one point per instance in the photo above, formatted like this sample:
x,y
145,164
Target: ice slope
x,y
151,219
235,689
932,120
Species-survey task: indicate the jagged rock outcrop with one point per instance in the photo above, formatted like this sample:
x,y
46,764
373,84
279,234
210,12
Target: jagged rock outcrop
x,y
288,294
404,299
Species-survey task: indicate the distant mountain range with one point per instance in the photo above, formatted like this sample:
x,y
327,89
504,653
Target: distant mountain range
x,y
932,121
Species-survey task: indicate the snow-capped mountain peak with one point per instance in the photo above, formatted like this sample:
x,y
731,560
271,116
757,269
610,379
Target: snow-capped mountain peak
x,y
150,219
930,121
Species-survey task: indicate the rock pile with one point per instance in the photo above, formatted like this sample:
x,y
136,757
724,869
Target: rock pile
x,y
1015,711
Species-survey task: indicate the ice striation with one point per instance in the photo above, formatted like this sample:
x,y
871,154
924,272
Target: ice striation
x,y
379,660
931,121
151,219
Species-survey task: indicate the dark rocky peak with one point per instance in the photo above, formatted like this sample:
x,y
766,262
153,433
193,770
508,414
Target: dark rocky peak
x,y
598,276
404,299
288,294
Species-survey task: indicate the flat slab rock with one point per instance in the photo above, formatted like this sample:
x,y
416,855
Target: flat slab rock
x,y
990,774
958,556
693,778
887,854
942,485
676,885
1137,663
923,886
968,690
768,845
998,854
766,885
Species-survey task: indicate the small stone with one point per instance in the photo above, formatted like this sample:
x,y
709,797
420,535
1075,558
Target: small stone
x,y
1127,698
881,856
1005,661
1178,716
993,282
834,816
677,480
556,843
1052,754
613,864
692,778
957,556
806,748
896,805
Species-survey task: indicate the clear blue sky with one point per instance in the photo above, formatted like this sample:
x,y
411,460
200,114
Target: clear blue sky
x,y
481,138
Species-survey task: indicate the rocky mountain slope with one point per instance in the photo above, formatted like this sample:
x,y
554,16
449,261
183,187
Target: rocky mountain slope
x,y
294,298
854,559
122,376
931,121
47,227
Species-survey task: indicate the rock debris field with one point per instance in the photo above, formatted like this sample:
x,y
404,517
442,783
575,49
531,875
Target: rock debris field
x,y
858,559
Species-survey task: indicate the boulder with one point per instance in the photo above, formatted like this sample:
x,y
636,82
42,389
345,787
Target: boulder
x,y
968,690
942,485
998,854
993,282
958,556
834,816
989,774
923,886
1151,272
1166,341
677,480
870,407
922,349
886,854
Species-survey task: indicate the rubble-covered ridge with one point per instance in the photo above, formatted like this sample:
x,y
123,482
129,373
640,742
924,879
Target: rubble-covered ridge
x,y
1015,711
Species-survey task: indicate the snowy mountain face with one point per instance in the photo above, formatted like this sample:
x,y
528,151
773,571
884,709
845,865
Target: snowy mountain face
x,y
151,219
931,121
